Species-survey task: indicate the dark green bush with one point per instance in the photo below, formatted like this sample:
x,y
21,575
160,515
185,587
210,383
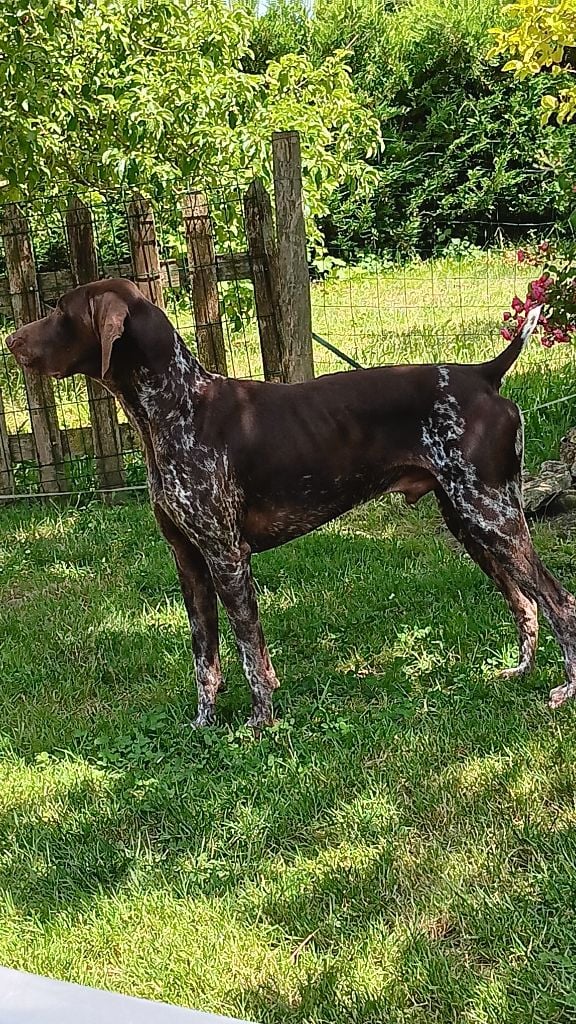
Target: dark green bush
x,y
283,29
465,154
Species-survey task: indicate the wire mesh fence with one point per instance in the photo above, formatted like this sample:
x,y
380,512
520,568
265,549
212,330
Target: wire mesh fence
x,y
198,256
446,305
125,240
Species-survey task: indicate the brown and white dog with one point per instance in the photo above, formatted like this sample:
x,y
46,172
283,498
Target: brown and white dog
x,y
239,466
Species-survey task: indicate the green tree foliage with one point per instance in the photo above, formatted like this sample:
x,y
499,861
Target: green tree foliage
x,y
108,92
542,36
283,28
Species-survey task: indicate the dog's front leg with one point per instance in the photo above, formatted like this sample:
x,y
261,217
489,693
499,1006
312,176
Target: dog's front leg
x,y
200,601
232,576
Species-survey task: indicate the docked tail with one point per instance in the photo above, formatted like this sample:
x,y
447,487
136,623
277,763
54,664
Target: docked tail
x,y
495,369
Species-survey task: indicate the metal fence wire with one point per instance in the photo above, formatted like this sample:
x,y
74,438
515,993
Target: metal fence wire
x,y
189,251
49,246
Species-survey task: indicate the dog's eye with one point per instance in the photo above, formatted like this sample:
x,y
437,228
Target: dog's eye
x,y
59,308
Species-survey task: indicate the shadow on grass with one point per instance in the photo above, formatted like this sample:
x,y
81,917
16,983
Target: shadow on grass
x,y
60,866
442,954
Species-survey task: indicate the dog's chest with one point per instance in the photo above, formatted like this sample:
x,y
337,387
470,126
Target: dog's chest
x,y
197,492
187,479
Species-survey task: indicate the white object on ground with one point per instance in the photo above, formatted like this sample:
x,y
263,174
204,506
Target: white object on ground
x,y
31,999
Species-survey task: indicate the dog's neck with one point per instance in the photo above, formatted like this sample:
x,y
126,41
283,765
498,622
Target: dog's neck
x,y
160,399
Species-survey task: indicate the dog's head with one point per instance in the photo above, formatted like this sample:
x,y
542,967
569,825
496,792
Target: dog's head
x,y
78,335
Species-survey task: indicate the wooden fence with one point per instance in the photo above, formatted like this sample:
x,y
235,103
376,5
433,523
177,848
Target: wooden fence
x,y
275,261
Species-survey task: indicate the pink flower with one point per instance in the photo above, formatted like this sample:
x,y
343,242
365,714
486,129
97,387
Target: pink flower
x,y
554,291
520,255
562,336
544,246
539,288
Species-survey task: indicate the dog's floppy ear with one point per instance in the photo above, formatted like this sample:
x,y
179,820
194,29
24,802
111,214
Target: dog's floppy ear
x,y
108,313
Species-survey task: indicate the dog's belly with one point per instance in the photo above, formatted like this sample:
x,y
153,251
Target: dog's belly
x,y
269,527
272,522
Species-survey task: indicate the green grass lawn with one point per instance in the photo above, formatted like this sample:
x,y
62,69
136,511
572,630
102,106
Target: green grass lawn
x,y
400,848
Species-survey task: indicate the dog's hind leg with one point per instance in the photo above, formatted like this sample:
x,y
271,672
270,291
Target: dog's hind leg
x,y
523,608
477,461
494,520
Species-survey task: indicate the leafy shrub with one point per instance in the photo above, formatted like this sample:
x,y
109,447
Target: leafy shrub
x,y
464,149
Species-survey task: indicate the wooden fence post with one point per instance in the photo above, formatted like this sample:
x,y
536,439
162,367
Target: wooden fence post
x,y
6,474
292,257
144,248
265,276
202,268
21,274
103,418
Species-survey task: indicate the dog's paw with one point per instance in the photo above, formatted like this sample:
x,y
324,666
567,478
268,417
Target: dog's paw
x,y
513,673
204,719
259,720
560,694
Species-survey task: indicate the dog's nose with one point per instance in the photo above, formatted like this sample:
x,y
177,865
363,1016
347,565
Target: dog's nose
x,y
15,344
